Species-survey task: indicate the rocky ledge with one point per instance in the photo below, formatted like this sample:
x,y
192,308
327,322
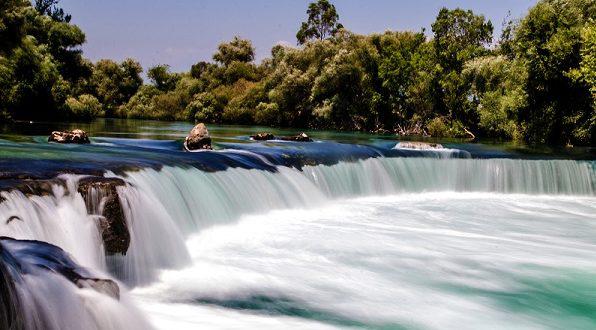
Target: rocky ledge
x,y
302,137
101,198
77,136
100,191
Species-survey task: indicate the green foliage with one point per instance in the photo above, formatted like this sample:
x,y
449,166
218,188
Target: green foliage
x,y
237,50
437,127
51,9
322,22
538,83
459,36
40,61
114,84
140,105
85,107
498,94
162,78
548,41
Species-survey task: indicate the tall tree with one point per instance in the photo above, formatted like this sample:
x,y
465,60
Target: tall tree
x,y
50,8
323,22
459,36
114,84
162,78
237,50
549,42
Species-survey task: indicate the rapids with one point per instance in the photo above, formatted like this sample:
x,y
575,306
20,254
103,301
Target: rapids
x,y
312,235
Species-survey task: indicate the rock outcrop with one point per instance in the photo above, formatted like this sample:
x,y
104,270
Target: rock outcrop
x,y
77,136
30,257
101,197
263,137
198,138
418,145
302,137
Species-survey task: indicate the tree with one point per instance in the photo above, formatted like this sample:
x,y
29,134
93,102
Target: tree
x,y
12,24
549,42
322,22
50,8
237,50
162,78
114,84
459,36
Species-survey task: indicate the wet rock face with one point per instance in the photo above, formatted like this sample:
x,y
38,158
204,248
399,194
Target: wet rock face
x,y
262,137
101,197
11,316
77,136
198,138
22,257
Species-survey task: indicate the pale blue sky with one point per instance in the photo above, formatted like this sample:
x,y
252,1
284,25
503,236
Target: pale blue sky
x,y
182,32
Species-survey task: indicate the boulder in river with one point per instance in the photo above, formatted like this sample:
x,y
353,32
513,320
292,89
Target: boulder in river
x,y
77,136
263,136
418,145
198,138
302,137
102,192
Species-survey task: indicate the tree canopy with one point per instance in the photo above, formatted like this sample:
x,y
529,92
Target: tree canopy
x,y
536,84
323,22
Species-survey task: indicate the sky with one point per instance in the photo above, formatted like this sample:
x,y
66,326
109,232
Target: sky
x,y
182,32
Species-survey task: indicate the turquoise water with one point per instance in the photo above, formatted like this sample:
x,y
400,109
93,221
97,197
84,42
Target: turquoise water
x,y
350,231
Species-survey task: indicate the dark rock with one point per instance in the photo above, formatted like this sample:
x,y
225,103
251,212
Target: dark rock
x,y
13,217
302,137
418,145
75,136
11,312
262,137
198,138
104,286
30,257
101,197
33,187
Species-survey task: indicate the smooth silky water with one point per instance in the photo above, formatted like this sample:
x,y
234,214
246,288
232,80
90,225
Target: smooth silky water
x,y
318,235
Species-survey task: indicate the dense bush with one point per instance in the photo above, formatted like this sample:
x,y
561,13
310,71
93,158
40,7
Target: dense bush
x,y
84,107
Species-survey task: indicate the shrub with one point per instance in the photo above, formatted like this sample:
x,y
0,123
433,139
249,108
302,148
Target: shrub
x,y
437,127
84,107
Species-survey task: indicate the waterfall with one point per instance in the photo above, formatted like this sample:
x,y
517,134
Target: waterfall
x,y
163,207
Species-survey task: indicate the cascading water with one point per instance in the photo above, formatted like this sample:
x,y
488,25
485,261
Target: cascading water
x,y
166,208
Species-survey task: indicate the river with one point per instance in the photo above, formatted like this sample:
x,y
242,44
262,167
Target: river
x,y
348,231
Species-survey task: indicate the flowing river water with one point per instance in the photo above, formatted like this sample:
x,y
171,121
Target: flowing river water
x,y
349,231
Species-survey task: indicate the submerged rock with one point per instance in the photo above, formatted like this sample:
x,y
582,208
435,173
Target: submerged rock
x,y
302,137
198,138
11,314
75,136
418,145
23,257
262,137
107,287
34,187
101,197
